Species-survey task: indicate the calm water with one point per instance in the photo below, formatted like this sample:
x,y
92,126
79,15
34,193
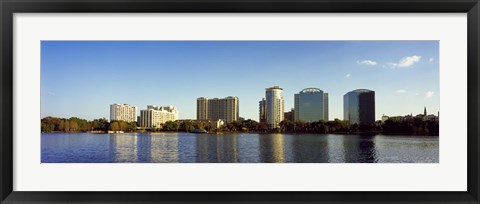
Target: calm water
x,y
244,148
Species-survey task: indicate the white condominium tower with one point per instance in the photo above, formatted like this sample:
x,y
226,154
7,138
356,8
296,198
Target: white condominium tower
x,y
156,116
274,106
225,109
125,112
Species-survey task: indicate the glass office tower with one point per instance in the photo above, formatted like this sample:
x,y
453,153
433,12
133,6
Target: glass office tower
x,y
359,107
311,105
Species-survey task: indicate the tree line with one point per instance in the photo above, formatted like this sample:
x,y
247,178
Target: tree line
x,y
414,126
74,124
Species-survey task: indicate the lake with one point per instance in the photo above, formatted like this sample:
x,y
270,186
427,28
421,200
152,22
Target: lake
x,y
236,148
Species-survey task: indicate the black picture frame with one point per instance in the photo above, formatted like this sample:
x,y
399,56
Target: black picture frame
x,y
9,7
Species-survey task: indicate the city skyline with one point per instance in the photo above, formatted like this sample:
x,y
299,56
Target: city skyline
x,y
79,78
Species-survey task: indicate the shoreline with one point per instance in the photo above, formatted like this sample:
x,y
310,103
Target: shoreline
x,y
239,132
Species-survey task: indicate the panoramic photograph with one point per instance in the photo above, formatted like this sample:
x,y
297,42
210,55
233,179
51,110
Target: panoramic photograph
x,y
240,102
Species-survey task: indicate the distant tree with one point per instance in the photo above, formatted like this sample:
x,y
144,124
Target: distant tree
x,y
186,126
114,126
210,128
47,127
231,126
50,124
318,127
100,124
250,124
235,125
354,128
73,126
300,126
122,125
262,127
200,125
170,126
366,128
287,126
338,126
131,127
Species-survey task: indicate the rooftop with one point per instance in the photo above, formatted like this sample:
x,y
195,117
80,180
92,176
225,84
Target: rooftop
x,y
274,87
311,90
362,90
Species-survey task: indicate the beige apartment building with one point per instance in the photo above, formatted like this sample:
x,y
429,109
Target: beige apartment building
x,y
225,109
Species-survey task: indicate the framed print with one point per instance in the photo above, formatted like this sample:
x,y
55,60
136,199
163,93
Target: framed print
x,y
239,101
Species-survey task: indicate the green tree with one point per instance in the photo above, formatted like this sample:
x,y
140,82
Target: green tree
x,y
250,124
73,126
200,125
230,126
49,124
47,127
354,128
186,126
318,127
114,126
170,126
287,126
131,127
301,126
122,125
262,127
237,125
100,124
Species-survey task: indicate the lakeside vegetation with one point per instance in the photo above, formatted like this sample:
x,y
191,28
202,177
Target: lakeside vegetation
x,y
74,124
415,126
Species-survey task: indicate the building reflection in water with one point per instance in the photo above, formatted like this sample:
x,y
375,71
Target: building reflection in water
x,y
123,148
336,151
359,149
163,148
143,143
224,148
272,148
217,148
310,149
143,148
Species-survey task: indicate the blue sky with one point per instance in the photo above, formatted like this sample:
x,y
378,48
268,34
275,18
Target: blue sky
x,y
82,78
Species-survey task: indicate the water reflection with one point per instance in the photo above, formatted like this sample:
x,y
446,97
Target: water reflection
x,y
359,149
163,148
232,148
143,148
272,148
217,148
310,149
123,148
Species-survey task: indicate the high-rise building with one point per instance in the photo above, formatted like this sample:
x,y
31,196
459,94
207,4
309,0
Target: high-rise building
x,y
202,108
125,112
311,105
261,111
289,115
274,106
359,107
156,116
226,109
325,106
